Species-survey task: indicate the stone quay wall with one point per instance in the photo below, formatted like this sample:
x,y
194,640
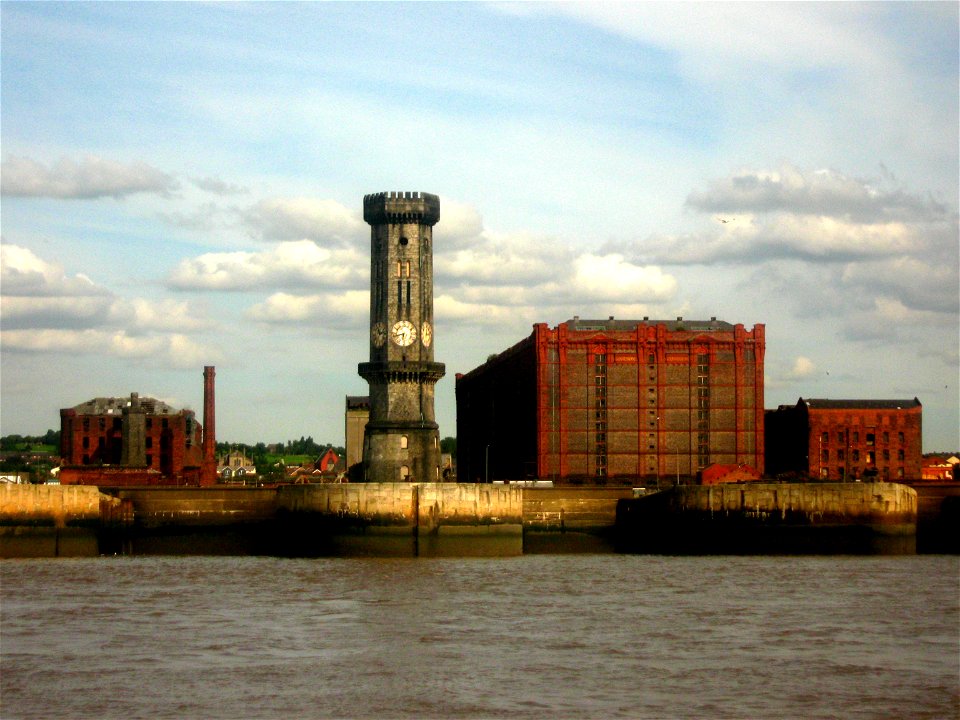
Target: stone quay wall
x,y
56,506
761,518
882,505
426,507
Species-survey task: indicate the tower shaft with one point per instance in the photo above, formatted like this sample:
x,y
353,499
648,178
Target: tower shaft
x,y
401,440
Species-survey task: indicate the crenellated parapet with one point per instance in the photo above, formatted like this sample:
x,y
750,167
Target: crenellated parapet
x,y
401,207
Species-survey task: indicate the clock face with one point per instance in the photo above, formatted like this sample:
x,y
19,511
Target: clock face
x,y
404,333
426,334
378,334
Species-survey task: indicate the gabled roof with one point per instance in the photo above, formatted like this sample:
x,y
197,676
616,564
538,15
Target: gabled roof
x,y
825,404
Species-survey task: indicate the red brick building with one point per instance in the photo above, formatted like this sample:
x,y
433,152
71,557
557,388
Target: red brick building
x,y
129,441
839,440
614,401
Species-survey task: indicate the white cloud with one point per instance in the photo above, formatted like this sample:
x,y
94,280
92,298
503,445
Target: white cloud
x,y
90,177
611,278
717,42
217,186
168,351
294,264
326,222
163,316
349,310
824,193
802,367
23,273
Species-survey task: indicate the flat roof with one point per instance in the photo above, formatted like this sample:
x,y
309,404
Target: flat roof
x,y
826,404
614,325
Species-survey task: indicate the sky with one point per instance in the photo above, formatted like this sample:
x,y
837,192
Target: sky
x,y
182,185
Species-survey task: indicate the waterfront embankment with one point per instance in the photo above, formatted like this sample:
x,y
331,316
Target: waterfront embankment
x,y
437,519
761,518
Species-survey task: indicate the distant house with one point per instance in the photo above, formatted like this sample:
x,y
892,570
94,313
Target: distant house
x,y
235,466
329,467
939,467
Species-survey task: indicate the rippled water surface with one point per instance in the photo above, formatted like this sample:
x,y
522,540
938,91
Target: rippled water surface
x,y
524,637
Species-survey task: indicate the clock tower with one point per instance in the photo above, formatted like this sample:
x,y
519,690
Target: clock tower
x,y
402,440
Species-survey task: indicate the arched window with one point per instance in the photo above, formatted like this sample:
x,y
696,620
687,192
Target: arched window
x,y
404,472
403,442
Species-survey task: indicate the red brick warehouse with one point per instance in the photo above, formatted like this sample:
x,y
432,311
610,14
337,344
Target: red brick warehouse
x,y
838,440
614,401
138,441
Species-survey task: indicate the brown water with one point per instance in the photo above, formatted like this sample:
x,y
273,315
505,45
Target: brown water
x,y
538,636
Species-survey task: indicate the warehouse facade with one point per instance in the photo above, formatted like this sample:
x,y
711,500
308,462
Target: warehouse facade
x,y
841,440
614,401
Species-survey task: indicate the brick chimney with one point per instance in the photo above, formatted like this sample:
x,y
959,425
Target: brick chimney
x,y
208,471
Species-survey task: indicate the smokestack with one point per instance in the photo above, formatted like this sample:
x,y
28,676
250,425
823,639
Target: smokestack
x,y
208,474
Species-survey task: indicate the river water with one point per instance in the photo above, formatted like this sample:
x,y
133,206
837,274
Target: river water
x,y
536,636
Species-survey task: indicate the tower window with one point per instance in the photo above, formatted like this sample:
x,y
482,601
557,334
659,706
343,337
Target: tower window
x,y
404,472
403,442
406,268
404,241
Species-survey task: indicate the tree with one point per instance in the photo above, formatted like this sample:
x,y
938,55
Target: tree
x,y
449,445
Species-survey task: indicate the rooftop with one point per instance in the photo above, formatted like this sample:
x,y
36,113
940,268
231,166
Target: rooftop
x,y
614,325
115,406
824,404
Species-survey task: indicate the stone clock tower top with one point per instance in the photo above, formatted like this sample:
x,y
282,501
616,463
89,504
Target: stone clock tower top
x,y
401,207
401,440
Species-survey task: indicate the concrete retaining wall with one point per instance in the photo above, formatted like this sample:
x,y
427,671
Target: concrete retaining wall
x,y
771,518
158,507
52,505
401,519
881,504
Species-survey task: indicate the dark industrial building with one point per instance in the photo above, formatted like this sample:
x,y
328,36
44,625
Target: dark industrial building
x,y
614,401
138,441
839,440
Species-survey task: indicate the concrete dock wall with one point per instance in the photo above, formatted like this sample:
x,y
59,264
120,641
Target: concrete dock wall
x,y
771,517
52,505
159,507
54,520
569,519
401,519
